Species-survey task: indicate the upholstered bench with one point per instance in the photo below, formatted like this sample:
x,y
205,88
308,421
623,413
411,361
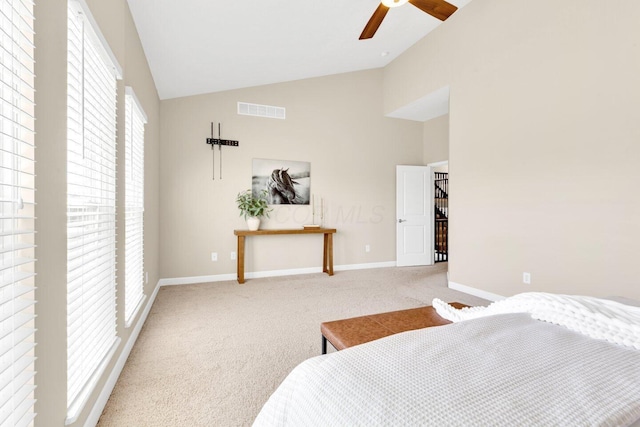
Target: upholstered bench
x,y
359,330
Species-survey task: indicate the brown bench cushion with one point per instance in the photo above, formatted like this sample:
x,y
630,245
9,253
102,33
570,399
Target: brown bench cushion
x,y
358,330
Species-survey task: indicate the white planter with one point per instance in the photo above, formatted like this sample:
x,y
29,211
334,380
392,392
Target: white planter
x,y
253,223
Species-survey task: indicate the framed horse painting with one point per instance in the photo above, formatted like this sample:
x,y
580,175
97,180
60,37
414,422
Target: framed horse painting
x,y
287,182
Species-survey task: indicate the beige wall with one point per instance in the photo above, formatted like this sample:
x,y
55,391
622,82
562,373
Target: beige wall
x,y
435,135
334,122
543,151
544,135
117,26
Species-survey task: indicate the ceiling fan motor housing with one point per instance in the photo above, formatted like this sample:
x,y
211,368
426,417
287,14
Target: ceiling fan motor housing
x,y
393,3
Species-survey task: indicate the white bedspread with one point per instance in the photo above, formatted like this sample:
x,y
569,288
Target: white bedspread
x,y
594,317
502,370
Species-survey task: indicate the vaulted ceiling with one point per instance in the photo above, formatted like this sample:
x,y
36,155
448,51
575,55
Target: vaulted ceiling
x,y
202,46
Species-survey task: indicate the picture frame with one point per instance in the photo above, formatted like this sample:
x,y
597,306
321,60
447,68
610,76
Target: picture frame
x,y
287,182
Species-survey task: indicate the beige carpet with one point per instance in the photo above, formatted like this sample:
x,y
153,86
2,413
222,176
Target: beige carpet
x,y
211,354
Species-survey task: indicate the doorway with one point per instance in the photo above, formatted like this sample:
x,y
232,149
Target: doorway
x,y
441,212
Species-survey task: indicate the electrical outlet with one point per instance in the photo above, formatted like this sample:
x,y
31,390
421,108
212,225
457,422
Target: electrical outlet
x,y
526,278
214,256
233,255
367,248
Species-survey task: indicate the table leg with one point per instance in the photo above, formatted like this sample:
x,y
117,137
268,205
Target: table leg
x,y
240,259
324,345
330,253
324,253
327,258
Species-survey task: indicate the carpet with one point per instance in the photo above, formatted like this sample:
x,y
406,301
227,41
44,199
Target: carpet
x,y
211,354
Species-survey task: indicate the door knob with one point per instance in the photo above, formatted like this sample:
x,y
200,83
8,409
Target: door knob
x,y
402,220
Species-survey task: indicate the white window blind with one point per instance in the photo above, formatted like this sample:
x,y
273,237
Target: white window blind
x,y
134,206
91,207
16,213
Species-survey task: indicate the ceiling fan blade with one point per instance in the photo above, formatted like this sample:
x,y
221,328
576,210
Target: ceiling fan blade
x,y
375,21
437,8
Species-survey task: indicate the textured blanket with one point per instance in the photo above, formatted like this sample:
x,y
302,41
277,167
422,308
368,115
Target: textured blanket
x,y
593,317
501,370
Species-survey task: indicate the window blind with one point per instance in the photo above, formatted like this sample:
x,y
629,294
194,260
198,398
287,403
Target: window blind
x,y
134,206
16,213
91,207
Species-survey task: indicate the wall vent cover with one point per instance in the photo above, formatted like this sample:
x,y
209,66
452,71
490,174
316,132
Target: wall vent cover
x,y
257,110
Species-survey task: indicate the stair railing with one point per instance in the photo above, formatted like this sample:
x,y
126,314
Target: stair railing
x,y
441,216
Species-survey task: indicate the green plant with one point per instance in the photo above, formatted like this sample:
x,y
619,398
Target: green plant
x,y
251,206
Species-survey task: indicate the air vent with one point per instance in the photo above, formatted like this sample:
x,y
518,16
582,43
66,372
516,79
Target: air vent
x,y
257,110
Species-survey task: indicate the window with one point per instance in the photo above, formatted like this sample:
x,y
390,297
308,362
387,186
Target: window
x,y
91,206
134,206
16,213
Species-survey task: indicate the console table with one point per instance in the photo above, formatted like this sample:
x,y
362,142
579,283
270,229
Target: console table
x,y
327,253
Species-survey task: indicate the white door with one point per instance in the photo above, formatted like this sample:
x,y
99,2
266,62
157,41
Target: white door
x,y
414,215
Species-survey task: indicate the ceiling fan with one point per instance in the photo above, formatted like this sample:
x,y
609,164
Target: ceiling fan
x,y
437,8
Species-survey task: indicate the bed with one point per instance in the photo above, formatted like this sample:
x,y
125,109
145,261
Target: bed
x,y
533,359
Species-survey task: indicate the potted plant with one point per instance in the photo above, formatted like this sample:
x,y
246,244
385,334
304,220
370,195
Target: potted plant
x,y
252,208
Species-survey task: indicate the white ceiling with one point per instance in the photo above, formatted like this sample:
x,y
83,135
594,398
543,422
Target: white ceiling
x,y
202,46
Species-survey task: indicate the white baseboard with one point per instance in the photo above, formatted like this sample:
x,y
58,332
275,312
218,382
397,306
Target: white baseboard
x,y
196,279
347,267
101,402
475,292
272,273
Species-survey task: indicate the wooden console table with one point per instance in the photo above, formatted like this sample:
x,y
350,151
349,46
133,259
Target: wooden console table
x,y
327,257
